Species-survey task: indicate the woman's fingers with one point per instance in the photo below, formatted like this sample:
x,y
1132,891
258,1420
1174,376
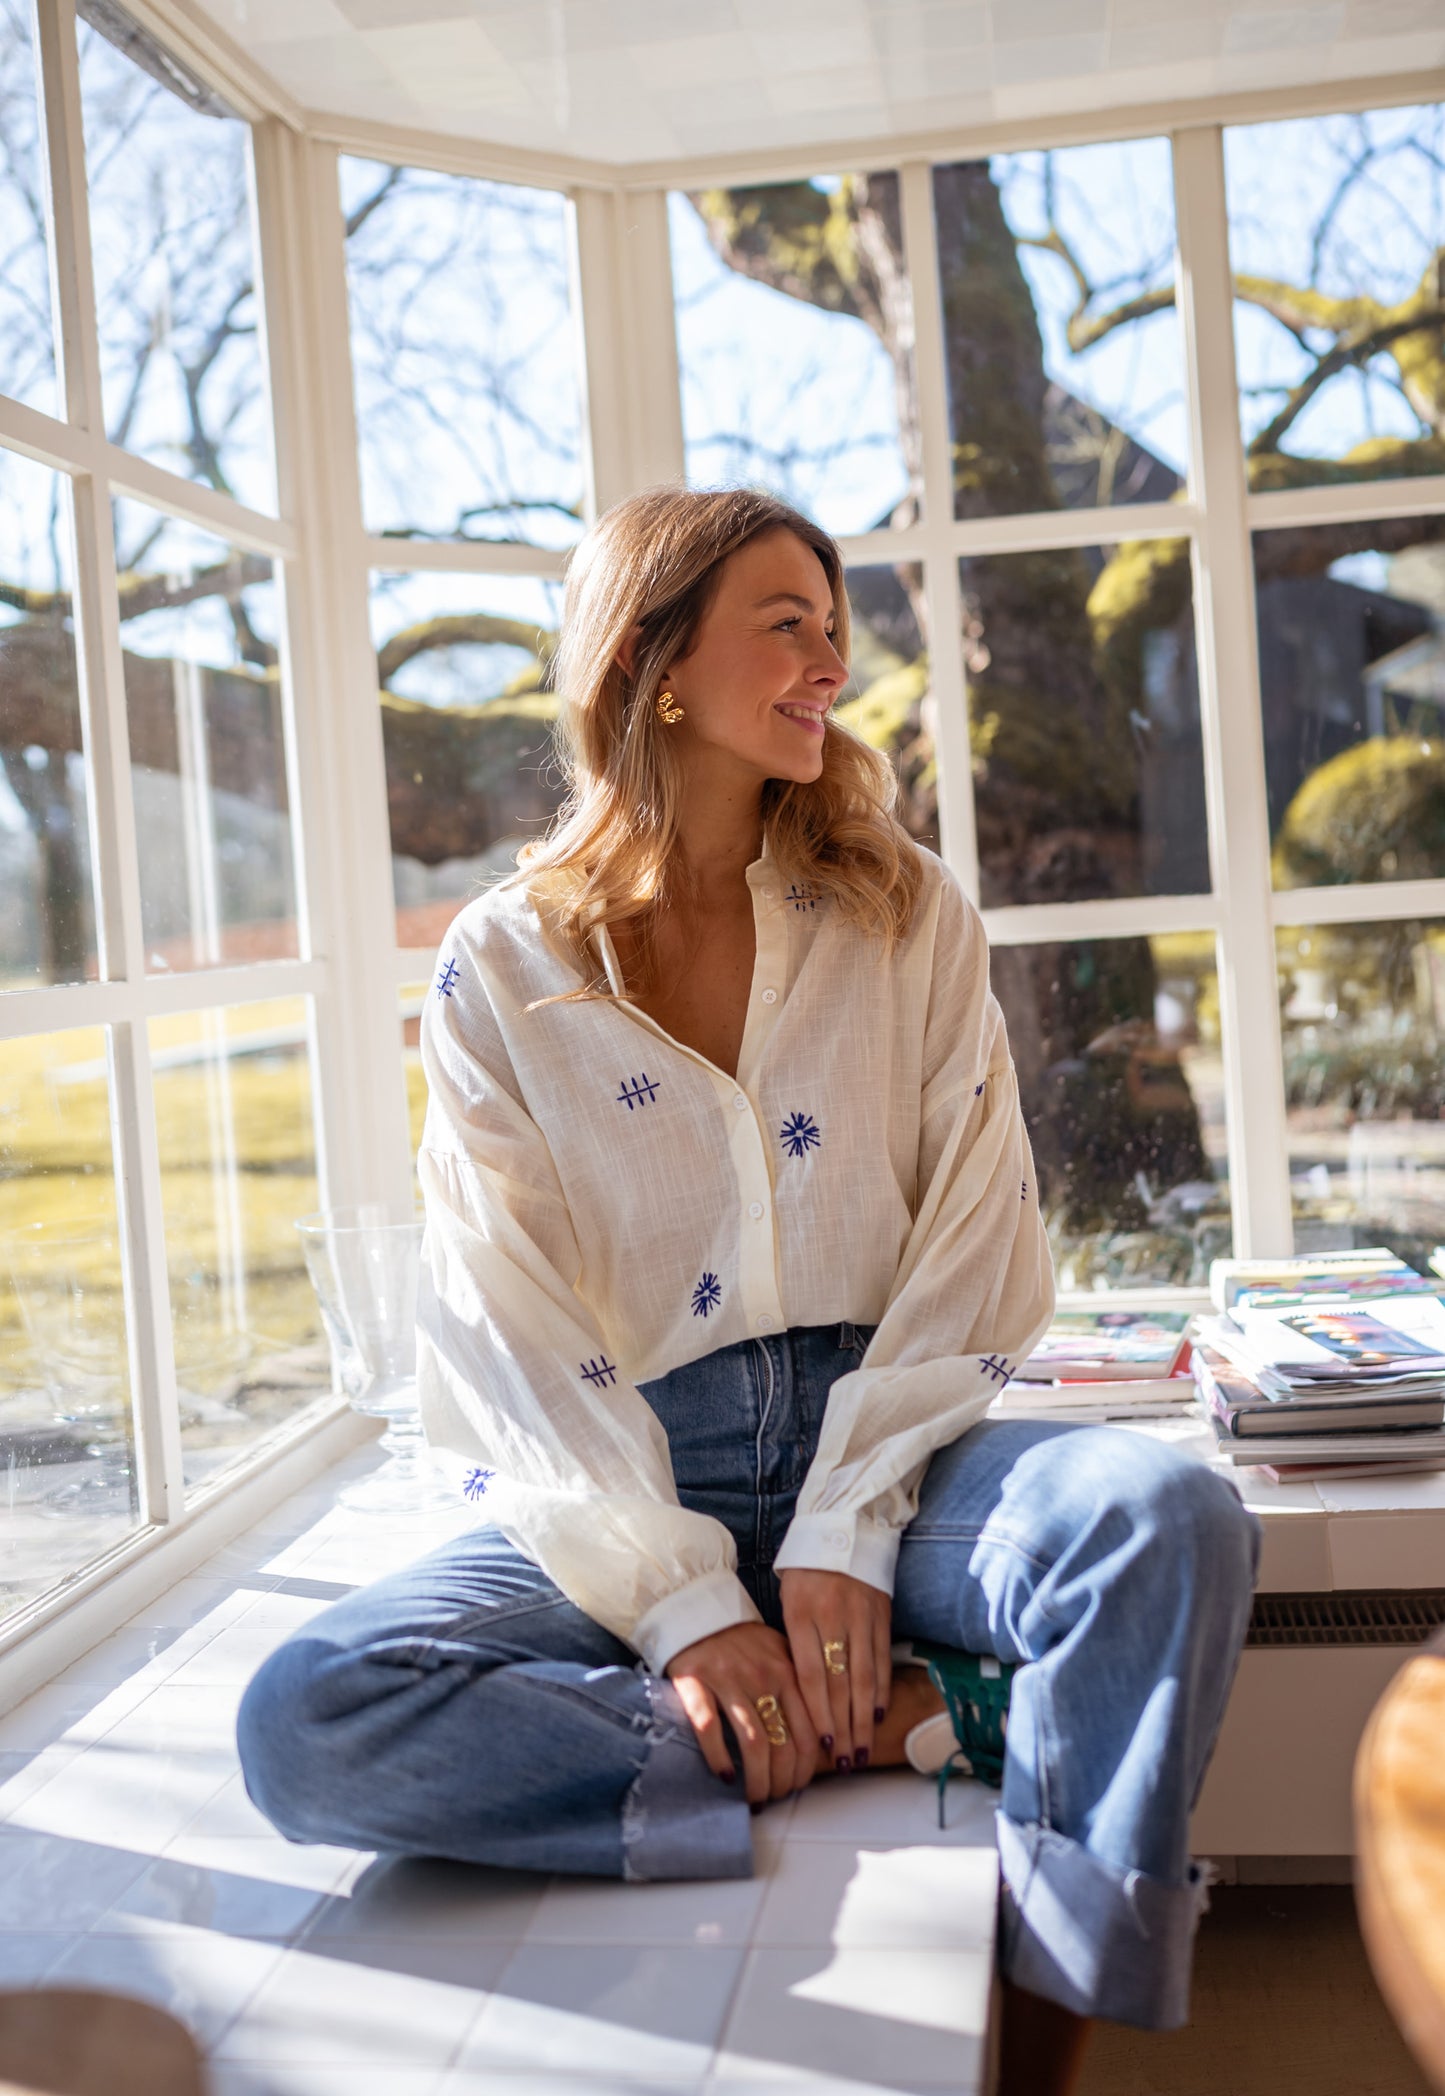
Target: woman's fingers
x,y
702,1714
840,1693
756,1752
813,1685
861,1677
798,1719
882,1656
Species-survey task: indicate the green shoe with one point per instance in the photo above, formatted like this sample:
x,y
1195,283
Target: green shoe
x,y
975,1689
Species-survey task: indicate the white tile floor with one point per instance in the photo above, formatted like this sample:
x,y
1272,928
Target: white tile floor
x,y
857,1960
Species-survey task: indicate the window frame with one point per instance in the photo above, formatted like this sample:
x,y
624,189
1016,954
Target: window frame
x,y
351,967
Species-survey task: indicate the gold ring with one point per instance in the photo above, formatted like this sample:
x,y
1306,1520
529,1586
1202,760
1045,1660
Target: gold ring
x,y
770,1711
835,1655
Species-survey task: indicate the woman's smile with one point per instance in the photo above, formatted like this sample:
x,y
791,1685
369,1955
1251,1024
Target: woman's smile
x,y
809,717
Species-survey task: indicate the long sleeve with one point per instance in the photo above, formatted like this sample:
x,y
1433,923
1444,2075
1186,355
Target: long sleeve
x,y
973,1292
516,1376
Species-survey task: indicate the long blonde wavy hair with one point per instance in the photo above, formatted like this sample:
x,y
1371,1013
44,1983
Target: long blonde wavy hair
x,y
653,562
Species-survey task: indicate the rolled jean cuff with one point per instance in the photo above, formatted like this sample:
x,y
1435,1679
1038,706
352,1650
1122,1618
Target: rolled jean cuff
x,y
1093,1938
678,1819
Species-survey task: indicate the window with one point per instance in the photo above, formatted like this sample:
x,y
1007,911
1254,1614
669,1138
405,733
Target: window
x,y
1062,348
156,1326
27,356
169,178
466,727
1335,229
47,934
464,352
795,331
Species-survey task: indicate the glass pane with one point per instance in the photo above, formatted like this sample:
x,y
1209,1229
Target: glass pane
x,y
468,399
1336,226
66,1444
1061,343
1363,1011
1116,1044
468,734
412,997
1352,673
238,1166
199,626
175,266
47,927
27,352
889,701
1084,717
795,338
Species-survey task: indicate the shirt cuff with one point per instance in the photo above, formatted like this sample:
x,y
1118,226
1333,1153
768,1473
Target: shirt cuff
x,y
848,1543
715,1602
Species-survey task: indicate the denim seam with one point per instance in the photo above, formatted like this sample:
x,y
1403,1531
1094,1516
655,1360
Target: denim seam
x,y
765,1408
478,1618
943,1534
658,1729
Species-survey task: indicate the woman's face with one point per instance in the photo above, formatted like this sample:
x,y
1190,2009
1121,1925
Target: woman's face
x,y
763,671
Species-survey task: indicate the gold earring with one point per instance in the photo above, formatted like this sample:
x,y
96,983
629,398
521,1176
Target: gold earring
x,y
667,707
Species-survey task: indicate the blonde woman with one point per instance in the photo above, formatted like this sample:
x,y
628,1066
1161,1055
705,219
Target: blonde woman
x,y
732,1234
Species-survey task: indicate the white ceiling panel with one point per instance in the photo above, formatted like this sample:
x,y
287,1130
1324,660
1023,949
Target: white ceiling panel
x,y
628,81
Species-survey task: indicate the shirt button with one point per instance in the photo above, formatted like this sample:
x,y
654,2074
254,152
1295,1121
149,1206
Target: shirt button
x,y
770,895
740,1102
766,1323
837,1539
770,997
755,1209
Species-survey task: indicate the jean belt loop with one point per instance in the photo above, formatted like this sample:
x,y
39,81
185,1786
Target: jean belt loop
x,y
846,1334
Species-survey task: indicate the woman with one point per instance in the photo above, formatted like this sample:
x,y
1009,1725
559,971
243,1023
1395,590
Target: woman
x,y
732,1235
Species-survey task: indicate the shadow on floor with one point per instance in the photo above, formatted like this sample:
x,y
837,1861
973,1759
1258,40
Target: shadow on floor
x,y
1284,2001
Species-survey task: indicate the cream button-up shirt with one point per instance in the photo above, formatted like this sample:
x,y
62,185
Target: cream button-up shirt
x,y
604,1204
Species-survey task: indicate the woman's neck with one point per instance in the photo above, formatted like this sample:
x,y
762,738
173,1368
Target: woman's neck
x,y
718,838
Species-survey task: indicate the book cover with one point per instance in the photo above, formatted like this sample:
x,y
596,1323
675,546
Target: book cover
x,y
1107,1346
1227,1277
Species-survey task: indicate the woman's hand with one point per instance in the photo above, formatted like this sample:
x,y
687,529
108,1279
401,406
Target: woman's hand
x,y
825,1610
726,1675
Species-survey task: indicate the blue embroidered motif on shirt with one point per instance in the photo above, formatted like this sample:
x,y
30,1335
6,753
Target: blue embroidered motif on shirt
x,y
997,1366
1025,1194
475,1483
706,1296
603,1371
978,1091
802,897
643,1092
447,977
799,1134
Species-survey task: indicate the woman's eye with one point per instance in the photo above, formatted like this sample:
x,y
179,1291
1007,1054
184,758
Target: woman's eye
x,y
789,625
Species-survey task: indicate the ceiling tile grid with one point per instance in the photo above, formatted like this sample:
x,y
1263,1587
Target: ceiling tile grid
x,y
628,81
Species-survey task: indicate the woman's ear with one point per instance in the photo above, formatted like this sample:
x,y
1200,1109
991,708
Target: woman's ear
x,y
627,653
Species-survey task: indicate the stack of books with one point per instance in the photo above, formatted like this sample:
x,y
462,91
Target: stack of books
x,y
1103,1364
1329,1366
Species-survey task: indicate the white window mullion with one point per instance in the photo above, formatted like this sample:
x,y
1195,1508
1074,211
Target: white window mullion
x,y
110,802
341,802
647,339
958,829
601,349
1230,710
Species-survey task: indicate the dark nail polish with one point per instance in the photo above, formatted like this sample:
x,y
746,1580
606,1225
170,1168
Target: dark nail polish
x,y
879,1714
844,1763
826,1742
862,1757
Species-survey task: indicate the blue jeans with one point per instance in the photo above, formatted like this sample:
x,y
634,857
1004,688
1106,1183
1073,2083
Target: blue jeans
x,y
465,1708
